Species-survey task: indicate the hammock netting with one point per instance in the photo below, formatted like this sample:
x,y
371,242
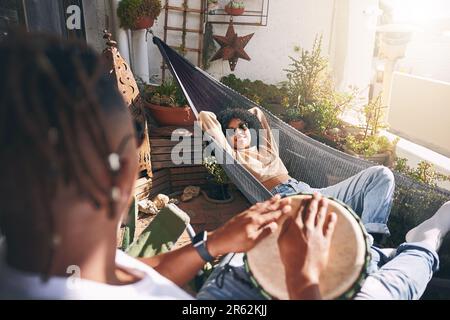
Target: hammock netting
x,y
306,159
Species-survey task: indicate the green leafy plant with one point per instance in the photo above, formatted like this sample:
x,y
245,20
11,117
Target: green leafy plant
x,y
307,77
129,11
215,170
310,89
374,113
370,145
257,91
425,172
168,94
293,114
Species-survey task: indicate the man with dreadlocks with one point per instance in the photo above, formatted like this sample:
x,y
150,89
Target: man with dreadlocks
x,y
69,162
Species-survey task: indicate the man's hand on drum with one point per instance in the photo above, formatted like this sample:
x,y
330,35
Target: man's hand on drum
x,y
245,230
304,244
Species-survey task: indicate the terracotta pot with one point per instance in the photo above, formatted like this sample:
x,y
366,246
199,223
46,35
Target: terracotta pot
x,y
385,158
298,124
234,11
171,116
143,23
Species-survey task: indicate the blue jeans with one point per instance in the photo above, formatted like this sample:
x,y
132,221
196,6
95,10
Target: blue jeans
x,y
369,193
403,275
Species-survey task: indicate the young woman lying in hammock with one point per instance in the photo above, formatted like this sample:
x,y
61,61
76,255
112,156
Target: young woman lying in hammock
x,y
247,136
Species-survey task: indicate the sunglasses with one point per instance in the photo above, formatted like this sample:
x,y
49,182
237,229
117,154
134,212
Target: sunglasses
x,y
242,126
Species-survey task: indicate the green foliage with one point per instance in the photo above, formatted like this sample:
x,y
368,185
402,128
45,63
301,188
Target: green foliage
x,y
168,94
374,117
310,89
307,76
370,145
129,11
236,4
293,114
320,116
215,170
257,91
424,172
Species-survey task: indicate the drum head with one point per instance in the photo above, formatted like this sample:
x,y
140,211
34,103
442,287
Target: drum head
x,y
347,261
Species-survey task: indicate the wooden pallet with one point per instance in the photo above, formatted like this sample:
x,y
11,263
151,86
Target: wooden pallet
x,y
187,176
168,177
162,147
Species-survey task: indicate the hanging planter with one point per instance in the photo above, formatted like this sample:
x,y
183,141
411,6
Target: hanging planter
x,y
138,14
235,8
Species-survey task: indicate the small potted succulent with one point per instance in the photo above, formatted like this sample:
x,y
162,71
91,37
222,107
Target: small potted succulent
x,y
138,14
217,188
235,8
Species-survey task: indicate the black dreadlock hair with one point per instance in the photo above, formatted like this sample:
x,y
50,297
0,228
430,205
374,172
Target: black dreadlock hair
x,y
252,121
47,87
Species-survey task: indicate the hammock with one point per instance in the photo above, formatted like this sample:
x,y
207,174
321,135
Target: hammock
x,y
305,158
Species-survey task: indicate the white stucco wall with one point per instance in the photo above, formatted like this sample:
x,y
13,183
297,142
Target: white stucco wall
x,y
428,55
291,23
346,26
428,52
353,41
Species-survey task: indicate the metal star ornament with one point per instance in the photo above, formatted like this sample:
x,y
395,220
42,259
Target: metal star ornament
x,y
232,47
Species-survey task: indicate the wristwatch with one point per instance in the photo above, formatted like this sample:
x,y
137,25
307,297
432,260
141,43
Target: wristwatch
x,y
199,243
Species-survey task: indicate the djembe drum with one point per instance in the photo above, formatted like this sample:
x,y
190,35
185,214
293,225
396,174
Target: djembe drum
x,y
347,264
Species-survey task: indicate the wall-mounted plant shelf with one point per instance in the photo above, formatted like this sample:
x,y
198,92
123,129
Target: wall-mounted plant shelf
x,y
257,14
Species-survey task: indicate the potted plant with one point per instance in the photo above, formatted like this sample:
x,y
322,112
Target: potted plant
x,y
367,143
374,148
235,8
293,116
217,188
167,104
138,14
310,90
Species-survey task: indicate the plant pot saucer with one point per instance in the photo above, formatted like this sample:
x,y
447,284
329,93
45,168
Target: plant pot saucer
x,y
217,201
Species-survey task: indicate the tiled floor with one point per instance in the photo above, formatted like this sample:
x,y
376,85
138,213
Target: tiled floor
x,y
204,214
209,216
